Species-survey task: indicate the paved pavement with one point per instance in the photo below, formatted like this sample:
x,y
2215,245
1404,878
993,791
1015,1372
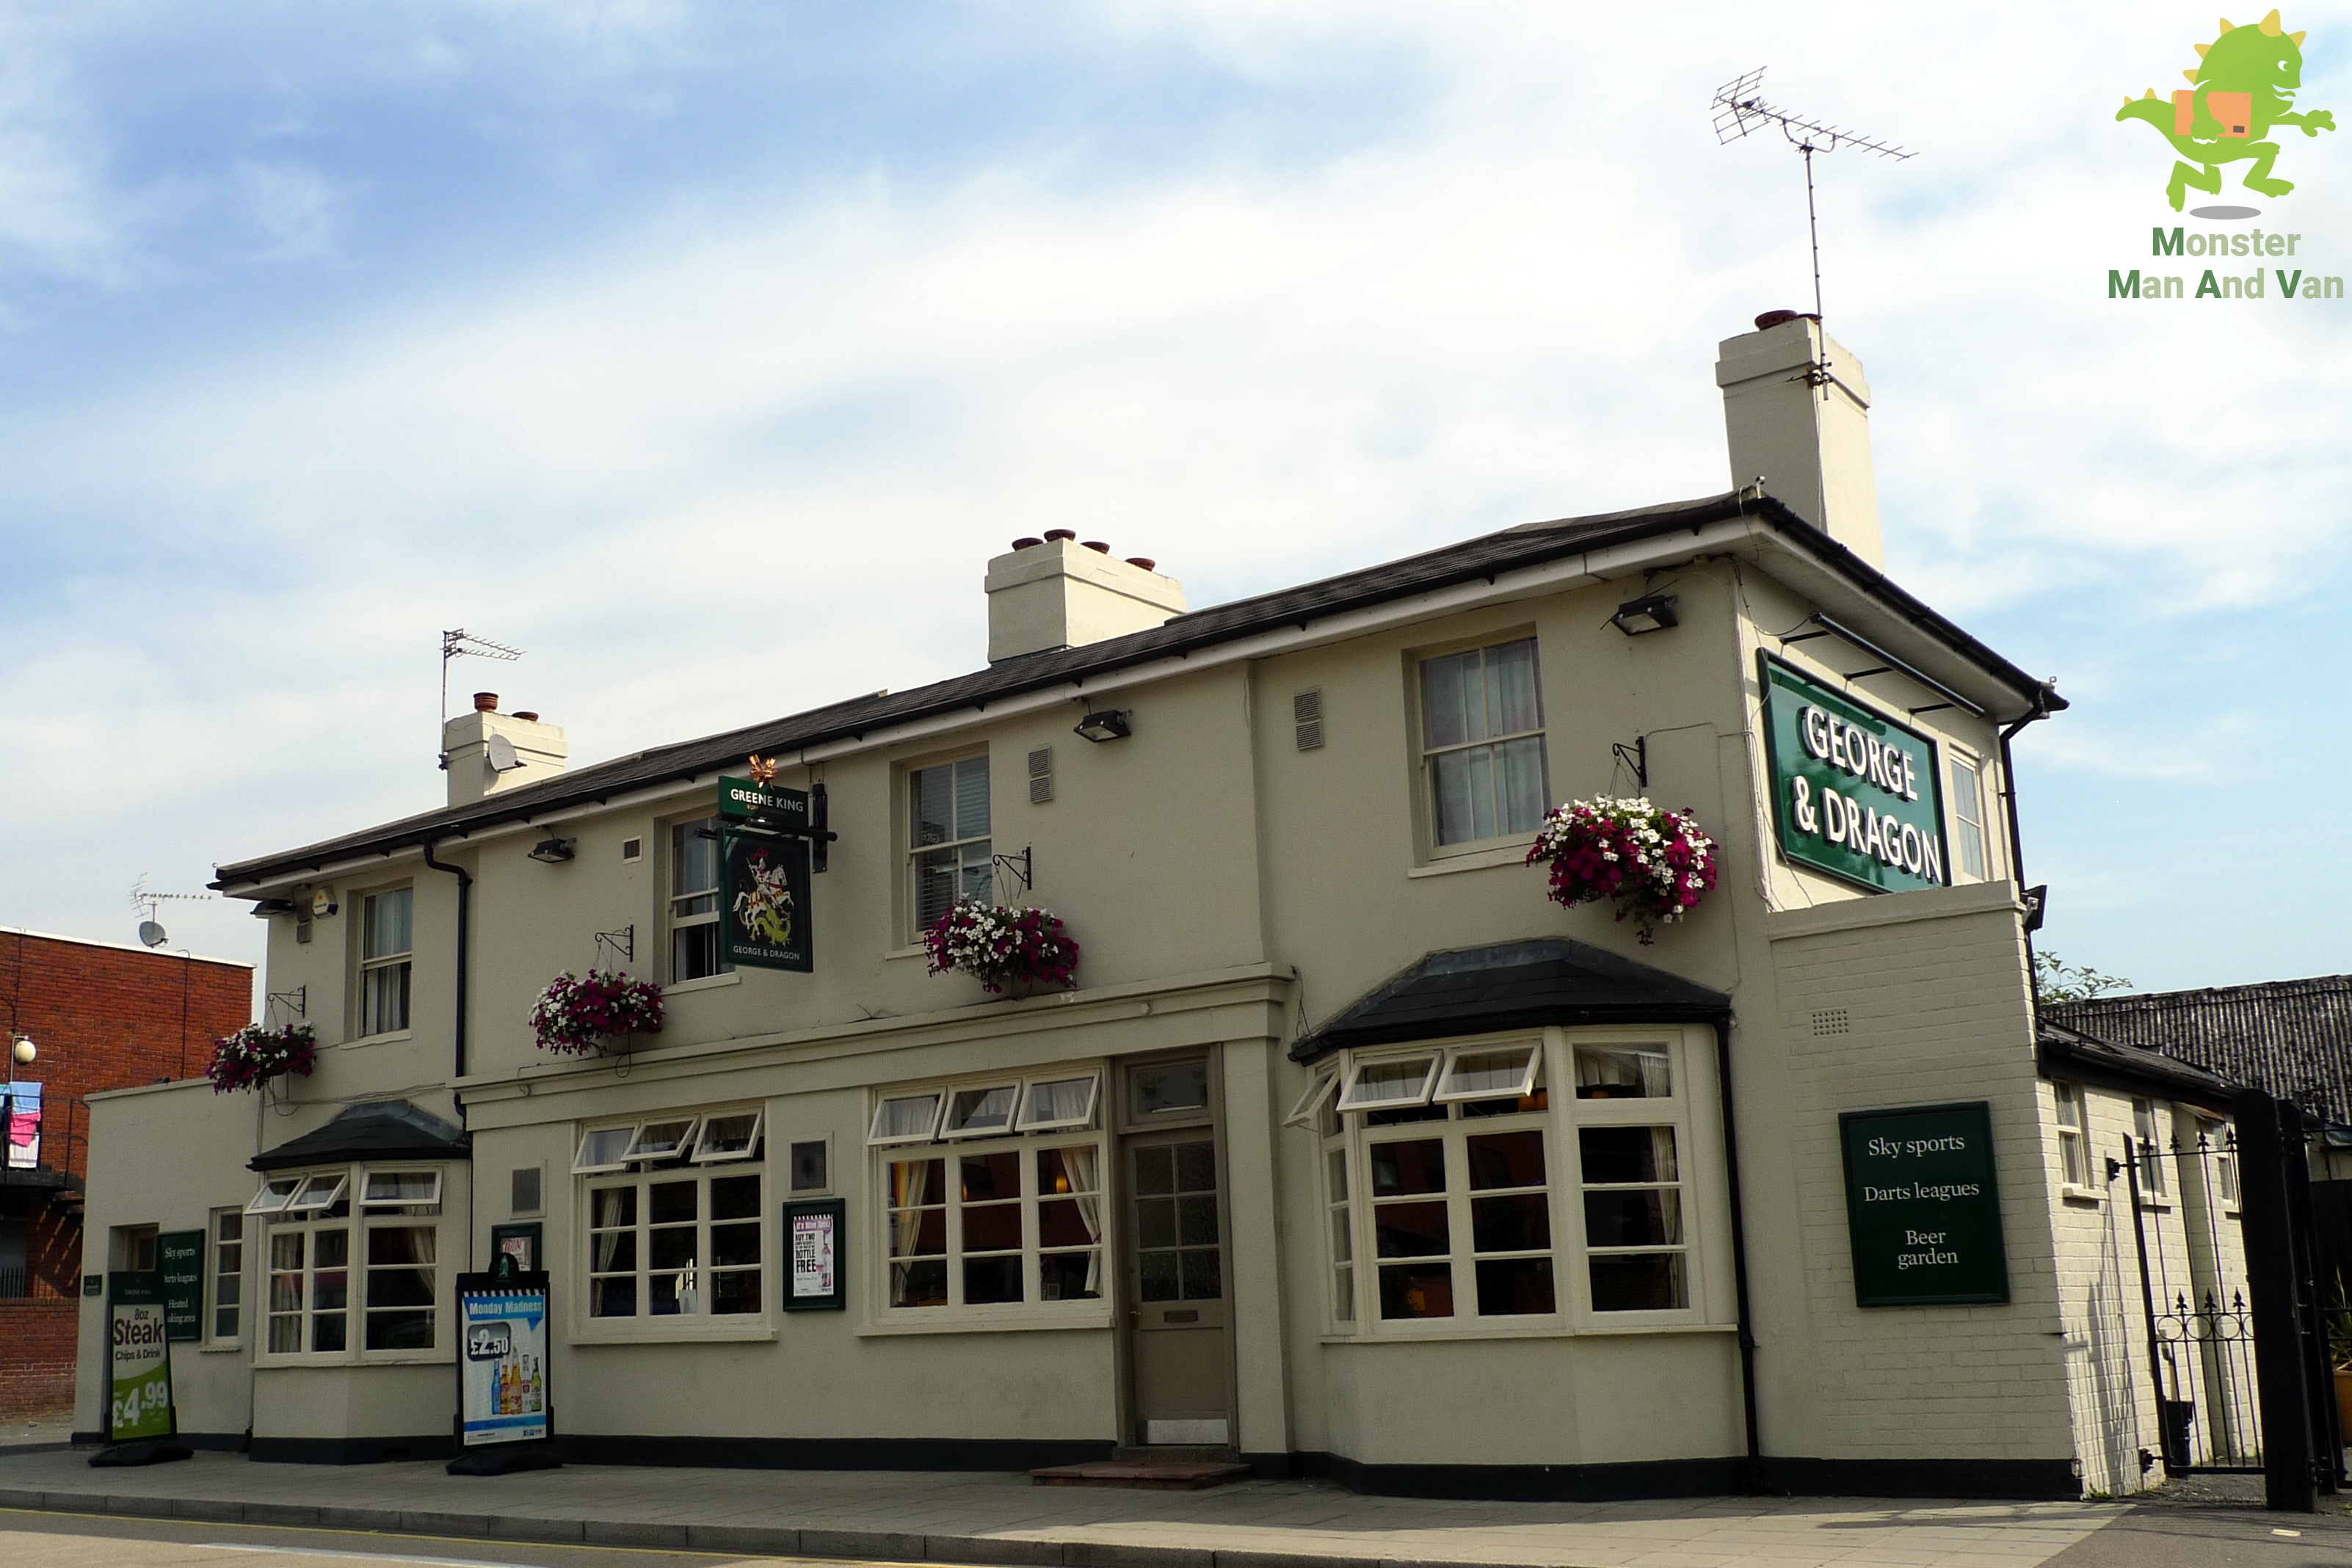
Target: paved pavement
x,y
1000,1519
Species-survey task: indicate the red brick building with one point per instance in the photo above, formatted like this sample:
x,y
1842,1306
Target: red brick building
x,y
101,1016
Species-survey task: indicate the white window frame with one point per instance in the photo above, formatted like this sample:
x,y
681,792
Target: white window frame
x,y
979,1092
699,1276
1431,1060
368,1200
270,1199
1024,1121
704,1154
910,826
1032,1310
1967,799
876,1137
580,1165
1319,1090
329,1187
215,1273
2151,1149
1428,754
1530,1065
641,1153
1563,1115
2074,1139
674,922
404,961
356,1223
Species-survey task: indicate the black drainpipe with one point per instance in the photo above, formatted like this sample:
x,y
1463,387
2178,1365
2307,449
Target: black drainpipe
x,y
1756,1477
465,905
2041,709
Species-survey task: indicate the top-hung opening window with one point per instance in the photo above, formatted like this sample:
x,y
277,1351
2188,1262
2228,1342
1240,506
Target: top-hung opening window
x,y
1482,743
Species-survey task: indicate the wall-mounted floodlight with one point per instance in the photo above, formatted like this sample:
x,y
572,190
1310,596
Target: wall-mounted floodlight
x,y
1651,612
264,908
1110,724
553,851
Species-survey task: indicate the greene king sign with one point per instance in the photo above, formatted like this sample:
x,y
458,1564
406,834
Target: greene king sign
x,y
1854,794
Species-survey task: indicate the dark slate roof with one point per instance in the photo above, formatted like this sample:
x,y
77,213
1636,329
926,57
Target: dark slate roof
x,y
1487,556
1512,985
386,1130
2064,1052
2290,1038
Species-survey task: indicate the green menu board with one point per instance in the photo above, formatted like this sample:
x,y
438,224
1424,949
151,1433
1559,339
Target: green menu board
x,y
180,1255
1923,1212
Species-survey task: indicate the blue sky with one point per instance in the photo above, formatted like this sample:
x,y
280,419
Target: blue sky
x,y
708,351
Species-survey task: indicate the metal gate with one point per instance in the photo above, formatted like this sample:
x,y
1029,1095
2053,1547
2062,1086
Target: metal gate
x,y
2238,1331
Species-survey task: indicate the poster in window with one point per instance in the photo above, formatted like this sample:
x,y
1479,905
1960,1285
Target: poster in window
x,y
813,1242
138,1360
515,1248
502,1358
764,902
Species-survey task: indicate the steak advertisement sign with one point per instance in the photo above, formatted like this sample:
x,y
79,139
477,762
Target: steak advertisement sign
x,y
1854,794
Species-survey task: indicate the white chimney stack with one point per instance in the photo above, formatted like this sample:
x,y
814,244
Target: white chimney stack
x,y
489,753
1797,410
1057,592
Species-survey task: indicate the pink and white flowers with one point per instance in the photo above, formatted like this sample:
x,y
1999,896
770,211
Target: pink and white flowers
x,y
1654,865
576,1015
1002,946
255,1054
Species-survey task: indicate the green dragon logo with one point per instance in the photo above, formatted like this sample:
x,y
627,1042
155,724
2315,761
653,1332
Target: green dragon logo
x,y
2243,86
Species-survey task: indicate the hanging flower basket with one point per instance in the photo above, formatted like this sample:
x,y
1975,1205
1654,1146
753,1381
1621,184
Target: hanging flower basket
x,y
1654,865
255,1054
1006,949
576,1015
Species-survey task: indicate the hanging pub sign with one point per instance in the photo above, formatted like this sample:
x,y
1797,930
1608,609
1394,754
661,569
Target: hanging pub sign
x,y
502,1357
763,876
180,1258
1854,794
1923,1212
138,1360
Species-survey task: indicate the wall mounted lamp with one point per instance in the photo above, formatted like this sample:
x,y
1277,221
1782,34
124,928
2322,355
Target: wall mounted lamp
x,y
1650,613
1110,724
553,850
23,1050
264,908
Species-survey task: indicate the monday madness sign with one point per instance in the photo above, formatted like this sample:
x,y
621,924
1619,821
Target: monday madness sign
x,y
1854,794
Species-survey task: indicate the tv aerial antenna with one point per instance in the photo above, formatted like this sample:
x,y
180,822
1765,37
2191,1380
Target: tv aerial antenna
x,y
463,644
1740,110
150,930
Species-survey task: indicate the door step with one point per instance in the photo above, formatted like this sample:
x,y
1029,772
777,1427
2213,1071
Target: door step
x,y
1149,1475
1176,1454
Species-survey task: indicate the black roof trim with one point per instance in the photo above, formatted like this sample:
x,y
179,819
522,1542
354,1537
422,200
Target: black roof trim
x,y
2062,1052
1512,985
1488,556
386,1130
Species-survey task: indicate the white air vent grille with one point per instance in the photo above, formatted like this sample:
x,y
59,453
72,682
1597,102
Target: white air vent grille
x,y
1307,714
633,849
1041,775
523,1196
1832,1021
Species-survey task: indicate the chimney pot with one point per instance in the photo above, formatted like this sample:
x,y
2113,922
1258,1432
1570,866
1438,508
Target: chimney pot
x,y
1096,545
1771,318
1797,410
526,715
1026,543
1053,534
486,701
1146,561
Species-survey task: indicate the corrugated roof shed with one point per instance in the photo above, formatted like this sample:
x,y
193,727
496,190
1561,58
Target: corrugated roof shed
x,y
2292,1038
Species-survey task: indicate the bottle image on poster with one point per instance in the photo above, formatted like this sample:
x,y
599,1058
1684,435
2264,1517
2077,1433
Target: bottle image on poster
x,y
503,1340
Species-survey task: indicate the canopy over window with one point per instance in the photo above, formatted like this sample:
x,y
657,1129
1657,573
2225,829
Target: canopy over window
x,y
387,1130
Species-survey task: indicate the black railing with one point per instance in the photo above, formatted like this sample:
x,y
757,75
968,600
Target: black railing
x,y
15,1284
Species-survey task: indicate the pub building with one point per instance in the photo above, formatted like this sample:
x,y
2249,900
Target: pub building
x,y
1344,1151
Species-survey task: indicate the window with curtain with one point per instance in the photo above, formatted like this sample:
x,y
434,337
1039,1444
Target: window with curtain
x,y
676,1242
1481,744
350,1263
387,941
694,901
995,1195
1460,1191
949,850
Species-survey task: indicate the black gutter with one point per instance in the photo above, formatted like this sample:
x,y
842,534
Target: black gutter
x,y
2042,707
464,908
1738,1252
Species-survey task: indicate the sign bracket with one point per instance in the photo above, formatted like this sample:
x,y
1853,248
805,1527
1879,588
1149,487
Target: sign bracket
x,y
1023,866
623,943
1635,756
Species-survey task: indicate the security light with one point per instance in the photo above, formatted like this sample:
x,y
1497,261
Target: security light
x,y
1651,612
553,850
264,908
1110,724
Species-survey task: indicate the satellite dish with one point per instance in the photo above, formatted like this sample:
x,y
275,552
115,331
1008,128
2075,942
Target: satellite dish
x,y
151,934
502,755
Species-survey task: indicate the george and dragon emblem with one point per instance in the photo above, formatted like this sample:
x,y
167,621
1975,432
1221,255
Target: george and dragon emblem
x,y
2243,87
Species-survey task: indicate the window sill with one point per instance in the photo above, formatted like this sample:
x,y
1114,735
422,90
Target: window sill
x,y
2156,1206
351,1359
1548,1331
707,983
748,1329
390,1037
224,1347
918,951
969,1323
1447,861
2074,1194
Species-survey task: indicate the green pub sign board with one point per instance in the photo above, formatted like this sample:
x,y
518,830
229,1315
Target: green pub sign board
x,y
138,1360
1923,1212
1854,794
180,1255
764,880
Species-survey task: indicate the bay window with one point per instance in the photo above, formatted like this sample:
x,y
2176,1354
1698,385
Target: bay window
x,y
338,1244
